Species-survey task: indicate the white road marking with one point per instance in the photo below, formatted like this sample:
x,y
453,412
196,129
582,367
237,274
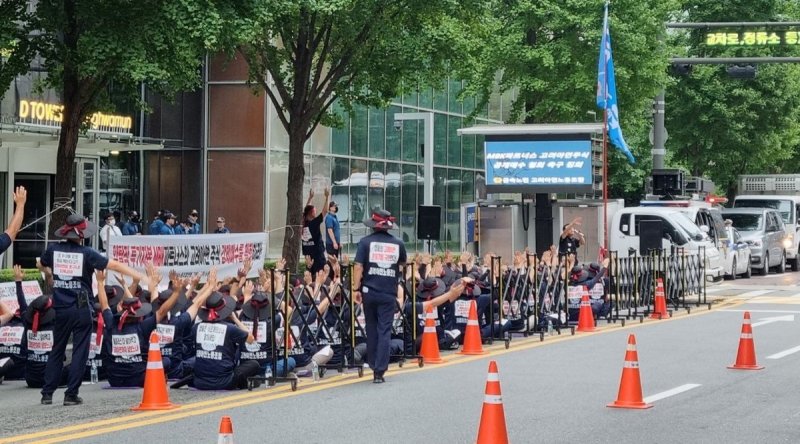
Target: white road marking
x,y
784,353
754,293
765,321
671,392
759,311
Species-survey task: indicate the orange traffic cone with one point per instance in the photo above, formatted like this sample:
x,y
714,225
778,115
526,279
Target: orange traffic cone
x,y
660,309
473,345
155,396
225,431
746,357
492,429
630,386
430,340
585,316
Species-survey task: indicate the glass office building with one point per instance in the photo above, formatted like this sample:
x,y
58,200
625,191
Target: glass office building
x,y
370,161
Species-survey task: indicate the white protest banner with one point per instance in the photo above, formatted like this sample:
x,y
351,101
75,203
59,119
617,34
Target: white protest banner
x,y
190,254
8,293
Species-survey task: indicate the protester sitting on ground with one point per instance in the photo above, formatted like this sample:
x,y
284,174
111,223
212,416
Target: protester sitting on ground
x,y
127,335
177,323
432,297
218,339
255,316
39,320
13,348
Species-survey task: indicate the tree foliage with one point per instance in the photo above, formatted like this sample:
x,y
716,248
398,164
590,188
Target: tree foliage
x,y
548,51
723,127
93,48
306,54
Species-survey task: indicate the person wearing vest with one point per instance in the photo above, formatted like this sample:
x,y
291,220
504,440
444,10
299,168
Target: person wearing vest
x,y
72,265
377,272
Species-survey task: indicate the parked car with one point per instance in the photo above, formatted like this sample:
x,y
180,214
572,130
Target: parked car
x,y
788,207
678,231
764,232
737,261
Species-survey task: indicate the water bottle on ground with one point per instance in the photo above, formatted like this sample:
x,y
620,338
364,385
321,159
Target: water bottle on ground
x,y
315,370
94,377
268,372
550,327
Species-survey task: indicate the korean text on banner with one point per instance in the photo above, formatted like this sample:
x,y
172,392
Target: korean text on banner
x,y
190,254
8,293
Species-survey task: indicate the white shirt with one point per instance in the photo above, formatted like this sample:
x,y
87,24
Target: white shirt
x,y
107,231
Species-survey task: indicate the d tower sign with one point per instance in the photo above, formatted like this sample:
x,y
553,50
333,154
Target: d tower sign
x,y
48,115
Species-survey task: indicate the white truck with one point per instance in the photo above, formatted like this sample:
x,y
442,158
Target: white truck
x,y
779,192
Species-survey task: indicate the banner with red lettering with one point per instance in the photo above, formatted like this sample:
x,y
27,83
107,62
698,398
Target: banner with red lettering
x,y
190,254
8,293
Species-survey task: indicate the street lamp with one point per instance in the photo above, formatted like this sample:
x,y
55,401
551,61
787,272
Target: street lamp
x,y
427,153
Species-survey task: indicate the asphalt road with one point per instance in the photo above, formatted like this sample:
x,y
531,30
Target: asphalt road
x,y
555,391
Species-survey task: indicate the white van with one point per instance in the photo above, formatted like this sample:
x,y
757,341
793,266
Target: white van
x,y
789,207
710,221
678,229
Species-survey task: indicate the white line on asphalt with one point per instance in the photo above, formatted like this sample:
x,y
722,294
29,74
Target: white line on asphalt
x,y
755,293
759,311
671,392
784,353
765,321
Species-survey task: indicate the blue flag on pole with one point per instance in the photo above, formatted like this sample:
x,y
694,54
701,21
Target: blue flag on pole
x,y
607,91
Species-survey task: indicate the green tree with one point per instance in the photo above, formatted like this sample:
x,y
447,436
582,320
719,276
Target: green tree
x,y
548,52
306,54
722,127
91,49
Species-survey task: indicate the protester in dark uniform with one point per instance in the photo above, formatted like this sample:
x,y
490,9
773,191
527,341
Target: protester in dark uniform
x,y
13,347
256,317
38,319
377,273
218,343
311,237
127,335
73,264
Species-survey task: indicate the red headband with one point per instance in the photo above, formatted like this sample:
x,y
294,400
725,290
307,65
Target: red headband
x,y
101,324
129,310
382,221
79,227
36,314
212,311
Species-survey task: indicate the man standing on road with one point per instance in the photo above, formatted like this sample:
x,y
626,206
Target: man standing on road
x,y
333,239
376,275
73,265
311,237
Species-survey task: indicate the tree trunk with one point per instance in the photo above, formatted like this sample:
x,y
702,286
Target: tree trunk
x,y
294,197
65,161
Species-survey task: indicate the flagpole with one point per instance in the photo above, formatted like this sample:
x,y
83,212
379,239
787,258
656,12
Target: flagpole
x,y
605,180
